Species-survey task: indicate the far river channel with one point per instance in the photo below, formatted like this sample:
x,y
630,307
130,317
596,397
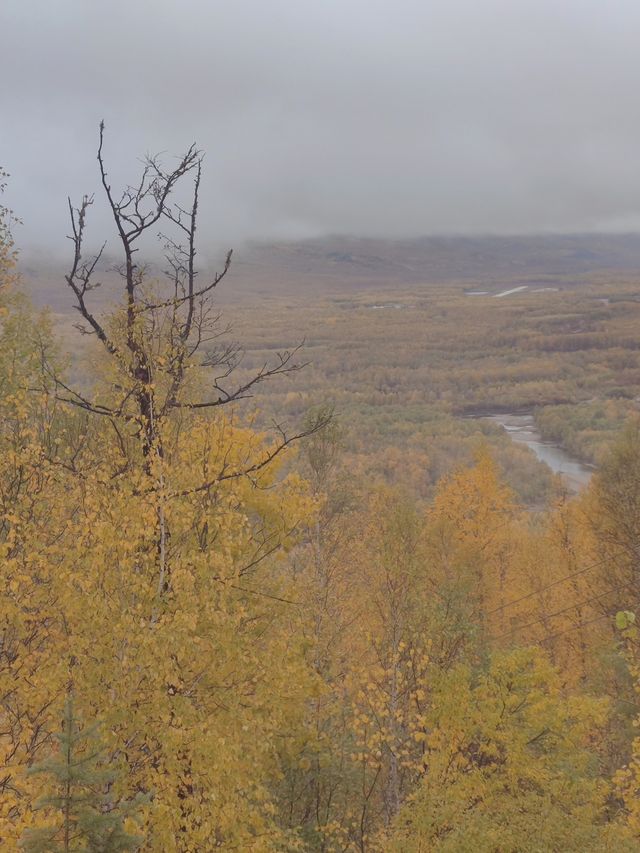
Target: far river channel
x,y
521,428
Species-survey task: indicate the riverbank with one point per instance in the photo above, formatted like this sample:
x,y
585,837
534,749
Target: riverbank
x,y
521,428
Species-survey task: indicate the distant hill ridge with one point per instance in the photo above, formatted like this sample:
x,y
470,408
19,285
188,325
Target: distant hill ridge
x,y
439,259
343,263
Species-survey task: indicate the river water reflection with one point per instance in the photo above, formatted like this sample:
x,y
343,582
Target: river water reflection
x,y
521,428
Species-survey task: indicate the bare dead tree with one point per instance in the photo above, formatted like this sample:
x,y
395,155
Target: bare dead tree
x,y
164,331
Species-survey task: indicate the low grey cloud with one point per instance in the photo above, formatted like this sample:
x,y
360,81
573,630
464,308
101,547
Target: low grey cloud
x,y
367,117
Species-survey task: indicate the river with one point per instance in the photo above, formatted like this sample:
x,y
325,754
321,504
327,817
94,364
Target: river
x,y
521,428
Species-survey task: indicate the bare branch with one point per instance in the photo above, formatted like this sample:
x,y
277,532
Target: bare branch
x,y
273,453
192,296
283,367
163,335
79,276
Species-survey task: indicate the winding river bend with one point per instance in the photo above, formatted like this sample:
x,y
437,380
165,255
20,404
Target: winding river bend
x,y
521,428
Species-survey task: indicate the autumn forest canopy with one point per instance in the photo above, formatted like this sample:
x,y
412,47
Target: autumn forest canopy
x,y
272,581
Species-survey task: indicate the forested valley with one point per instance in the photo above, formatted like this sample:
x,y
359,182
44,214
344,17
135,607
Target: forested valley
x,y
255,604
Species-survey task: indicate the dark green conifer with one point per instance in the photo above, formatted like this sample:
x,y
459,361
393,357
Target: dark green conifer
x,y
85,817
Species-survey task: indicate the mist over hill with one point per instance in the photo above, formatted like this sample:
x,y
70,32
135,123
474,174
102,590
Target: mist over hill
x,y
344,263
352,261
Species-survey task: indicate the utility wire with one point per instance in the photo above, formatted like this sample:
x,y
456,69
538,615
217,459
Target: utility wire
x,y
562,610
550,585
576,627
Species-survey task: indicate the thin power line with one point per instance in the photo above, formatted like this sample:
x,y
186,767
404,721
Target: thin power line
x,y
576,627
550,585
562,610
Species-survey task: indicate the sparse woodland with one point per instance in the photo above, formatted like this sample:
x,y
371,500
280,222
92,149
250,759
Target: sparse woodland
x,y
220,630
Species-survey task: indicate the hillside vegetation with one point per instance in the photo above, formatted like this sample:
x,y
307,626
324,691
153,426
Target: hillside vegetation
x,y
250,605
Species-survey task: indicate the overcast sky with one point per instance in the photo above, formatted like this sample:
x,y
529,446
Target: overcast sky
x,y
366,117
